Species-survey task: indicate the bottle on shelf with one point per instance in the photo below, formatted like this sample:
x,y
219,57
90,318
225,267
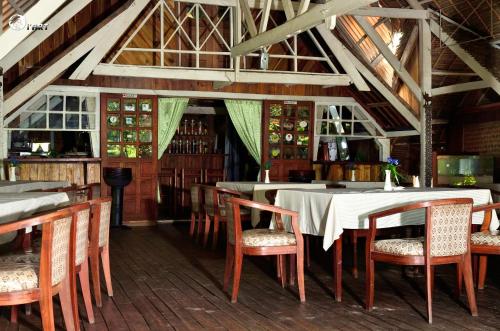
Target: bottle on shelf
x,y
200,128
185,127
193,132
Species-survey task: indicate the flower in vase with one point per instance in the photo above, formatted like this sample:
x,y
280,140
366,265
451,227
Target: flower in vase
x,y
392,165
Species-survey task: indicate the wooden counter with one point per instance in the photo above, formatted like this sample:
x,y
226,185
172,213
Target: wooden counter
x,y
77,171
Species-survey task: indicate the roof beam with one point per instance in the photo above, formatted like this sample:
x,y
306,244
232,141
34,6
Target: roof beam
x,y
288,8
37,37
247,14
56,67
406,133
39,13
303,6
118,28
468,59
344,59
266,11
390,57
309,19
452,73
222,75
456,88
385,91
391,12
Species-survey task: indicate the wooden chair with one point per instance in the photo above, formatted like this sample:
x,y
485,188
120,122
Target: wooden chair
x,y
261,242
76,193
216,209
446,241
99,245
196,207
78,257
24,283
484,243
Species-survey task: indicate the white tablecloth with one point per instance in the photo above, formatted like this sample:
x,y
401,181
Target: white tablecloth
x,y
26,185
327,212
15,206
258,191
350,184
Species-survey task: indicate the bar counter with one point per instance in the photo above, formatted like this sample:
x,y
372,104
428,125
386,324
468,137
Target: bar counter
x,y
77,171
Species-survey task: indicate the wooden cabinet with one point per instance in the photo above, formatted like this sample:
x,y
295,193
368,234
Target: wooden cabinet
x,y
129,139
178,172
287,137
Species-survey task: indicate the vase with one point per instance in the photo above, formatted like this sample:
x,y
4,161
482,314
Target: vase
x,y
12,174
387,184
353,175
266,180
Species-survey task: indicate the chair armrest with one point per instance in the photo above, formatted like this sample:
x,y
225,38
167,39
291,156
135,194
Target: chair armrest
x,y
34,220
488,209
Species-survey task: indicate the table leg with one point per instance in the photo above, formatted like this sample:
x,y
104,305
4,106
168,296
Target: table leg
x,y
293,269
27,242
337,268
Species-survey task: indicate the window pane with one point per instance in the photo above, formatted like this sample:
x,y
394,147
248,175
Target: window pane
x,y
114,136
130,136
275,110
88,104
88,121
56,103
72,121
72,103
145,151
302,140
129,121
146,105
145,120
113,105
113,120
40,104
145,136
130,151
114,150
29,120
55,121
129,104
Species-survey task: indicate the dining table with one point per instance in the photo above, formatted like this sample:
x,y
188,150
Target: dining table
x,y
257,191
15,206
328,212
19,186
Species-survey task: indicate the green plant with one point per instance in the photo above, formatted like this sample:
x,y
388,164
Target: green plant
x,y
392,165
267,165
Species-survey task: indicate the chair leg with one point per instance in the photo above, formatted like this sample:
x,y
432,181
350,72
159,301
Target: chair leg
x,y
229,265
308,250
96,281
215,237
483,265
433,274
337,268
469,284
66,305
369,280
27,309
458,289
293,271
14,314
106,266
300,275
200,221
47,311
354,254
207,230
282,269
85,285
191,226
238,263
428,290
74,296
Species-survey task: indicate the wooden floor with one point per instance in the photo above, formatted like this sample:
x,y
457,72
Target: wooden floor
x,y
164,281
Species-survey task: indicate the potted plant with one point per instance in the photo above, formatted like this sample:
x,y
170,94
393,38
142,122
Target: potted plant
x,y
391,168
13,163
267,167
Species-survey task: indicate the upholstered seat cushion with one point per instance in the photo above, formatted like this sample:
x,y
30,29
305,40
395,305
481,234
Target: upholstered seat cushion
x,y
28,258
400,247
18,277
267,237
485,238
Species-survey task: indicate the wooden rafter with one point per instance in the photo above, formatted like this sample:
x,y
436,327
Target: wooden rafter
x,y
247,14
314,16
462,87
266,12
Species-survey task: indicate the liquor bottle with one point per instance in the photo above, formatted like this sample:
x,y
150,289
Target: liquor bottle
x,y
200,146
179,146
192,127
173,146
187,146
200,128
195,146
185,127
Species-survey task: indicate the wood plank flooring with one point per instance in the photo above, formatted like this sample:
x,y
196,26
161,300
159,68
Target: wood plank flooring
x,y
162,280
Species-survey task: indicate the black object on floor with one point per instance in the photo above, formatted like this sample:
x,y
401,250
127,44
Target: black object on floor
x,y
117,178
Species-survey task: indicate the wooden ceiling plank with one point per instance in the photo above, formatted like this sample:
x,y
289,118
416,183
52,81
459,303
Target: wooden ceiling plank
x,y
118,28
309,19
37,14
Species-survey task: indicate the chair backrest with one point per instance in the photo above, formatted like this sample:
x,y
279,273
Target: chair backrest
x,y
101,217
82,217
195,198
448,227
210,199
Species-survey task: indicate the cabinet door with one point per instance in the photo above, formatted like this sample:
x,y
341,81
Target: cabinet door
x,y
288,137
129,139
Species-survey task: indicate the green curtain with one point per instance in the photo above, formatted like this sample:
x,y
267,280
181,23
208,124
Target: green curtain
x,y
170,112
246,116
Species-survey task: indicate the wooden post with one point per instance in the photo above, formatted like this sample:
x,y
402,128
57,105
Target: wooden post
x,y
3,134
425,65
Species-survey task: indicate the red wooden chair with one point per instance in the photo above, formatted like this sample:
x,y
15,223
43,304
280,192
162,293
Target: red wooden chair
x,y
484,242
99,245
446,241
261,242
24,283
196,208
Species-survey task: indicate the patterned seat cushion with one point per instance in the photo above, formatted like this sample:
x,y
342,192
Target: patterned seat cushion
x,y
400,247
267,237
485,238
20,258
18,277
